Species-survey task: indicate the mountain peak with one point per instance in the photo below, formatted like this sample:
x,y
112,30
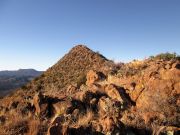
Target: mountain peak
x,y
80,50
80,47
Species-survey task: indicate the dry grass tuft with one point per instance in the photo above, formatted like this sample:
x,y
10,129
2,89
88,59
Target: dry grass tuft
x,y
84,120
33,127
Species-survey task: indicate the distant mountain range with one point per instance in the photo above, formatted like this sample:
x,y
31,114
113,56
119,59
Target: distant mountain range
x,y
11,80
20,72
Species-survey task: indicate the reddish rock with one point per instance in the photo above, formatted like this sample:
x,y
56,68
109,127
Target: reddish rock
x,y
84,96
172,74
177,87
104,105
157,98
93,101
37,102
41,105
149,117
108,124
76,113
113,93
80,95
61,107
71,89
137,91
96,88
94,76
176,65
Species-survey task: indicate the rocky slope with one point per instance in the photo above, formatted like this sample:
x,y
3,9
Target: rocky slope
x,y
84,93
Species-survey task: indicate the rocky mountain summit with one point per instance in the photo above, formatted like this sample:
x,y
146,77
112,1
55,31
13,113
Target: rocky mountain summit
x,y
84,94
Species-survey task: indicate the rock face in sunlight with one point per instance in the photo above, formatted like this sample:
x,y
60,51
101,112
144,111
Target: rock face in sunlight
x,y
84,93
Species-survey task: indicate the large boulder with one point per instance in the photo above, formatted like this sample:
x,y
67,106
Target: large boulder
x,y
159,102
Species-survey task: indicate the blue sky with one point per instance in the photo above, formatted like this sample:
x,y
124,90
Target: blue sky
x,y
37,33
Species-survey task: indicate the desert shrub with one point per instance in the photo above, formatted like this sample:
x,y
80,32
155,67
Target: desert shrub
x,y
36,79
16,127
119,65
126,71
34,126
166,56
81,80
84,120
24,87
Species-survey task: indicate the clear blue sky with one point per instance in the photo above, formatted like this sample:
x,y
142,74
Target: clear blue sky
x,y
37,33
